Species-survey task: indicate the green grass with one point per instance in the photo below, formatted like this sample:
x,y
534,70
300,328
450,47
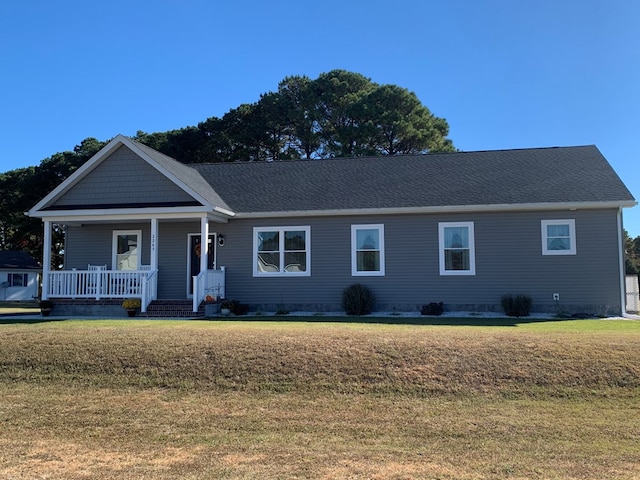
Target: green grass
x,y
12,308
316,398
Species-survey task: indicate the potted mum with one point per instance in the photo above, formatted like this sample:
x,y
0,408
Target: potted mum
x,y
131,305
211,306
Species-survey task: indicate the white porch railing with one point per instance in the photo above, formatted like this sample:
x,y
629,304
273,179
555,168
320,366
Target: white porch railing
x,y
149,288
101,283
208,282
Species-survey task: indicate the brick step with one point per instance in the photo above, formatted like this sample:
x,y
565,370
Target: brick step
x,y
172,309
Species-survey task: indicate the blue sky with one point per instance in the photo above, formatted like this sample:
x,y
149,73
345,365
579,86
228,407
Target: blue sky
x,y
504,73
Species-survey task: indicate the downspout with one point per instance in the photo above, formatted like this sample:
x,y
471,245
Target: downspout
x,y
623,286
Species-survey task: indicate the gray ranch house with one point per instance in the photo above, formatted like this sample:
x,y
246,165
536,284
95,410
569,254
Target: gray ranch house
x,y
461,228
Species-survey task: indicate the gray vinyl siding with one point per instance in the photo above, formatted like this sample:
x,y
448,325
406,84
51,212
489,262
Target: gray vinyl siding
x,y
93,244
508,251
117,181
172,257
508,260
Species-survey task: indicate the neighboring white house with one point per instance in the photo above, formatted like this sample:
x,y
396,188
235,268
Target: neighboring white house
x,y
19,276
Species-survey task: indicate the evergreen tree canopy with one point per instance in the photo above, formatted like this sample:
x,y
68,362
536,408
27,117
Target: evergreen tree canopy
x,y
338,114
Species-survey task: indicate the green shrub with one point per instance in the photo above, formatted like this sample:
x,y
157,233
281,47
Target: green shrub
x,y
235,306
432,308
357,299
518,306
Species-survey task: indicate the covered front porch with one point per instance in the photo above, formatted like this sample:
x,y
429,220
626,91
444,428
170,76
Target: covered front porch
x,y
126,276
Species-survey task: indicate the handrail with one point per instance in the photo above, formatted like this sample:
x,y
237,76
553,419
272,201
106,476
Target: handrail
x,y
208,282
199,286
149,288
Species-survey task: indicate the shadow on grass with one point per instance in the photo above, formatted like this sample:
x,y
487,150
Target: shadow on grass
x,y
10,319
400,320
390,320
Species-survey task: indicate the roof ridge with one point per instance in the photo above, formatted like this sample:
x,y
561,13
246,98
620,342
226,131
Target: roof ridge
x,y
401,155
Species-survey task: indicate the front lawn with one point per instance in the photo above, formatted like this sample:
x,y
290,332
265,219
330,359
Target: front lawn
x,y
309,399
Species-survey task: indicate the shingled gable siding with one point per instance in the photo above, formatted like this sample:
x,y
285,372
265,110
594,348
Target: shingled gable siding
x,y
118,180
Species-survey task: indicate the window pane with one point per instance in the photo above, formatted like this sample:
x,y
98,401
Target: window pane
x,y
127,254
367,239
294,240
457,260
368,261
456,237
281,251
558,244
295,262
269,262
269,241
558,231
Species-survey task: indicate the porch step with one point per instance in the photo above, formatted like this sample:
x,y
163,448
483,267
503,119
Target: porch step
x,y
172,309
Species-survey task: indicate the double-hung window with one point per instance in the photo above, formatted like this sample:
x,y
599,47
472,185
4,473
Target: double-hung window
x,y
367,250
558,237
457,248
281,251
126,249
18,279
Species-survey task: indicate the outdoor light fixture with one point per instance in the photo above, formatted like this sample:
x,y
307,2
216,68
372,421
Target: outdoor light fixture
x,y
221,240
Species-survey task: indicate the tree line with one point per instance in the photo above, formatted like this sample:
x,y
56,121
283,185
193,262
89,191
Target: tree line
x,y
632,254
338,114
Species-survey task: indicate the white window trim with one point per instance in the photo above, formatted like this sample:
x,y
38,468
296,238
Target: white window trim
x,y
282,272
472,248
114,246
354,257
10,278
572,236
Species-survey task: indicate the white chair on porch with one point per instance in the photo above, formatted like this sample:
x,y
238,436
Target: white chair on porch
x,y
93,281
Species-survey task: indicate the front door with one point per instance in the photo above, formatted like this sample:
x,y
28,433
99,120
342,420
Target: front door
x,y
194,253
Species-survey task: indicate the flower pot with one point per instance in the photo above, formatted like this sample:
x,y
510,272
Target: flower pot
x,y
225,311
131,313
211,309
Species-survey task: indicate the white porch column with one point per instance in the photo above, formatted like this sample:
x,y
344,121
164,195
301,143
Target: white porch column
x,y
204,238
46,259
154,244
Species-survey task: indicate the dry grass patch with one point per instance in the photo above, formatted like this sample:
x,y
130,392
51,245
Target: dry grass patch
x,y
204,400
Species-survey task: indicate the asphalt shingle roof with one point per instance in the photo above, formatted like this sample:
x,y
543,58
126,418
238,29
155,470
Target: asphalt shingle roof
x,y
189,176
17,260
523,176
